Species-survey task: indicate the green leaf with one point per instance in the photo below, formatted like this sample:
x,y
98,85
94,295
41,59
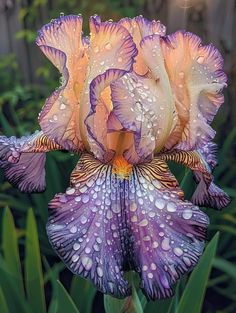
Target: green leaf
x,y
113,305
3,304
10,250
193,295
160,306
133,304
10,291
130,304
82,289
225,266
65,302
33,267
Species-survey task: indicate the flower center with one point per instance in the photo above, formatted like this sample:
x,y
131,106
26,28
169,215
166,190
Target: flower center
x,y
121,167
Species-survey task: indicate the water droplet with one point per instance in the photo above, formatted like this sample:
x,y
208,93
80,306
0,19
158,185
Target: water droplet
x,y
73,229
187,214
187,261
140,201
150,275
85,198
87,250
62,106
76,246
133,207
116,208
83,219
171,207
153,266
200,59
165,244
99,271
108,46
77,199
151,214
160,204
70,191
109,214
156,184
178,251
99,240
155,244
96,247
143,222
87,262
134,219
75,258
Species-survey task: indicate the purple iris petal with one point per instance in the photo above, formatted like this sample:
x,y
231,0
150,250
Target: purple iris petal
x,y
24,170
104,225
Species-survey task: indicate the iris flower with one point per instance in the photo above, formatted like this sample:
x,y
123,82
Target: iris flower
x,y
131,99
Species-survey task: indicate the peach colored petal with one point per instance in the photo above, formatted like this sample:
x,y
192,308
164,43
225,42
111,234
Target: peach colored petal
x,y
154,59
196,77
61,41
140,105
112,53
139,28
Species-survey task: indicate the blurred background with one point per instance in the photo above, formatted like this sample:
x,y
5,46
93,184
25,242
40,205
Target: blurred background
x,y
32,278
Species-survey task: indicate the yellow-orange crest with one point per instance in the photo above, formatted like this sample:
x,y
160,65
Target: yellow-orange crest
x,y
121,167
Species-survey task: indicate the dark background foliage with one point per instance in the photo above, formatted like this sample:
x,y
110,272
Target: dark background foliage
x,y
27,78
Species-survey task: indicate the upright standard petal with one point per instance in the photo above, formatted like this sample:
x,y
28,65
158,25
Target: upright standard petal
x,y
141,107
197,78
139,27
112,53
61,41
107,223
145,105
23,160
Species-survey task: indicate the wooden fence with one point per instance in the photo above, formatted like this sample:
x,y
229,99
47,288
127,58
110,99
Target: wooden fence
x,y
214,20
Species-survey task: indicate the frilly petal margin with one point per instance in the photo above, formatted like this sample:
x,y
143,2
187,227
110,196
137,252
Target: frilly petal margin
x,y
140,105
61,41
97,118
23,160
196,75
104,225
25,171
139,27
113,53
201,162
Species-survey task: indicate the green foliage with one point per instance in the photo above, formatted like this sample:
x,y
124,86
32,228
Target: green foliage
x,y
12,296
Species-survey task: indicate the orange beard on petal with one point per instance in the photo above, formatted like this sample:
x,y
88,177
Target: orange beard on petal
x,y
120,141
121,167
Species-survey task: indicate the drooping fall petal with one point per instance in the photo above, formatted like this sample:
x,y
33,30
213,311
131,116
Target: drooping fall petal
x,y
23,160
104,225
206,193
